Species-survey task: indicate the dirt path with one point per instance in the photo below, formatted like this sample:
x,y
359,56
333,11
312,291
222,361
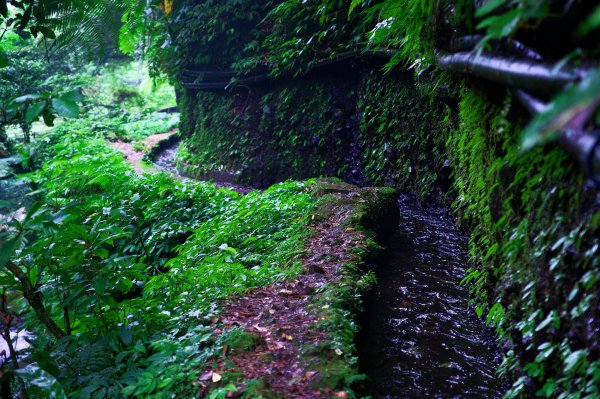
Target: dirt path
x,y
285,318
135,157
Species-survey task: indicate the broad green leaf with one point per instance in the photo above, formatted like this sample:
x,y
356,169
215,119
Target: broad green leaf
x,y
8,249
102,252
34,111
488,7
545,350
546,322
46,362
65,108
3,60
548,389
570,108
99,286
592,22
495,314
73,95
48,117
125,335
499,26
26,97
45,383
572,361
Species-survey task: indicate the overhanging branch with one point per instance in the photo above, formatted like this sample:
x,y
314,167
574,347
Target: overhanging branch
x,y
528,75
581,145
35,299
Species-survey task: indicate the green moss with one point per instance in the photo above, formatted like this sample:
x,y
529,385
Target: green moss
x,y
295,131
402,133
239,340
338,303
537,269
257,389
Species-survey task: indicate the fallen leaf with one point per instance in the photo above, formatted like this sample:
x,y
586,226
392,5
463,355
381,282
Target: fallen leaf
x,y
309,374
216,377
341,394
259,328
279,345
338,351
206,376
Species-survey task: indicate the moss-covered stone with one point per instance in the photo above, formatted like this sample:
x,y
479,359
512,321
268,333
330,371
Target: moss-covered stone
x,y
402,134
299,130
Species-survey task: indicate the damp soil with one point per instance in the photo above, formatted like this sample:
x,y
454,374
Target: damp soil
x,y
420,338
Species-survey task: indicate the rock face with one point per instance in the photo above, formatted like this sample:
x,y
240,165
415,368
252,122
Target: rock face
x,y
358,125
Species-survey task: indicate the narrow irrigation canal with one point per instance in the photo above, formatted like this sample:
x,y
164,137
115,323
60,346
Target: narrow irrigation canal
x,y
419,338
165,159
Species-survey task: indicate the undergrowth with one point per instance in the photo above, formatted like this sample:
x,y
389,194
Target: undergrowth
x,y
131,268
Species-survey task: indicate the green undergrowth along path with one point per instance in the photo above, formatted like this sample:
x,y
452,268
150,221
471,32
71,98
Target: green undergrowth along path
x,y
131,269
120,104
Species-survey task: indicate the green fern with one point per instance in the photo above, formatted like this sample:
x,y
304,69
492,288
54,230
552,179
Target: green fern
x,y
93,27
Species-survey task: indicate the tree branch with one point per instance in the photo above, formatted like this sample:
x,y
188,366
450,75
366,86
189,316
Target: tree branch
x,y
36,300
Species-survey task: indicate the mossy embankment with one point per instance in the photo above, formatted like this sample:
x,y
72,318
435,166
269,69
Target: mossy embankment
x,y
533,220
295,338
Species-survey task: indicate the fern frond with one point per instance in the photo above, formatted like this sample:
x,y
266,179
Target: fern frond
x,y
88,26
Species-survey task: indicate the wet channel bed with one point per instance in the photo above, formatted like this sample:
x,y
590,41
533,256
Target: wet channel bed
x,y
419,337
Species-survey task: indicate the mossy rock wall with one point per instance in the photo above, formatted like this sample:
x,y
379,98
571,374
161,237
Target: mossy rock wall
x,y
534,237
533,220
402,134
299,130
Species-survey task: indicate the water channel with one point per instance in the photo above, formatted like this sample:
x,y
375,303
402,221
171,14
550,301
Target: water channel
x,y
420,339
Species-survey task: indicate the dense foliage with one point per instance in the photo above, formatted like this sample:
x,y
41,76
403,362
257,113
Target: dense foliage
x,y
533,219
120,274
125,272
103,247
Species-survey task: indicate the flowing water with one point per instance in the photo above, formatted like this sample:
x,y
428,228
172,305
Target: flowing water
x,y
165,162
420,339
165,159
